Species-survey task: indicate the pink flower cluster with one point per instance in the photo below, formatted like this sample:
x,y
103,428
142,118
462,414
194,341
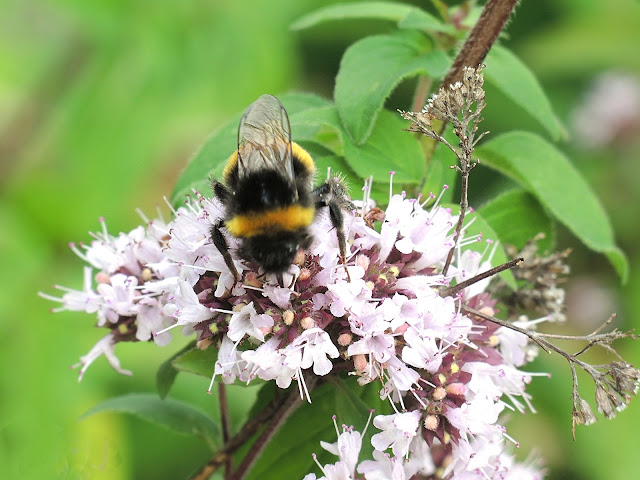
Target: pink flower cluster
x,y
447,376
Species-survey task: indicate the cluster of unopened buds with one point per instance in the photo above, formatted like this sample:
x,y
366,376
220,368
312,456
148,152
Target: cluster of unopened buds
x,y
446,375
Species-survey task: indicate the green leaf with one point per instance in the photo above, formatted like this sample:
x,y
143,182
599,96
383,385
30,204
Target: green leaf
x,y
388,148
418,19
361,10
548,175
321,125
517,217
340,167
475,224
200,362
296,102
513,78
406,16
171,414
210,159
371,68
353,403
213,155
166,374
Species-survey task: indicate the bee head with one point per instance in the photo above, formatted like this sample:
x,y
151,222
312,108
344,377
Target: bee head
x,y
274,253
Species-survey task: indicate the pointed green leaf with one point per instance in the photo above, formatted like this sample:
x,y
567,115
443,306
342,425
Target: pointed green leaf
x,y
548,175
166,374
171,414
200,362
213,155
369,71
516,216
513,78
209,160
339,167
353,404
388,148
361,10
321,125
418,19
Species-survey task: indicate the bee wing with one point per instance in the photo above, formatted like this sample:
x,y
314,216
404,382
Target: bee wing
x,y
264,139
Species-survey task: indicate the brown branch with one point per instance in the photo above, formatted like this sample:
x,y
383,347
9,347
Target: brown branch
x,y
276,412
481,276
225,421
291,403
249,429
464,170
543,344
482,37
420,96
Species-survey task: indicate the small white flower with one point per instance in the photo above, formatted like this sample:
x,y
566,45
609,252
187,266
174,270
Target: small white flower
x,y
401,377
230,364
399,309
248,322
420,459
347,448
376,343
397,432
186,307
421,351
151,319
104,346
383,467
118,298
316,347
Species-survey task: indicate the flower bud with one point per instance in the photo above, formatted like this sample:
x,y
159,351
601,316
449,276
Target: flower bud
x,y
603,401
204,343
146,274
583,415
360,363
307,322
102,277
288,317
439,393
457,389
345,339
431,422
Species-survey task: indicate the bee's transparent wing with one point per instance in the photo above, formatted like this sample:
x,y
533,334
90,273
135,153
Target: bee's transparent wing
x,y
264,139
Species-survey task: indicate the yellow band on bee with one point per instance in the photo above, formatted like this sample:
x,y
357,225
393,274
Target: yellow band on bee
x,y
289,218
232,163
303,156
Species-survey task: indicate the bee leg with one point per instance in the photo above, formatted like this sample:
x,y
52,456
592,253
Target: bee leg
x,y
280,279
223,247
335,214
220,191
332,194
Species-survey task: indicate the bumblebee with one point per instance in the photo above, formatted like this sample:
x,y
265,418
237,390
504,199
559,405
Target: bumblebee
x,y
268,191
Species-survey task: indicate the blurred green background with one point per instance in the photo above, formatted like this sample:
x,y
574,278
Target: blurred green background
x,y
102,103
